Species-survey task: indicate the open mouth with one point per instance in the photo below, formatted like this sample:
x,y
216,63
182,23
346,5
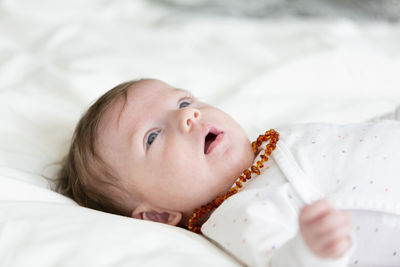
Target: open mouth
x,y
210,137
209,140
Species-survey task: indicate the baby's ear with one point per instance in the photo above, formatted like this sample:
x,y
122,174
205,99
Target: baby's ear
x,y
163,216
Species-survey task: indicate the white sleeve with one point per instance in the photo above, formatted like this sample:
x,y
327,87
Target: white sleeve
x,y
264,233
295,252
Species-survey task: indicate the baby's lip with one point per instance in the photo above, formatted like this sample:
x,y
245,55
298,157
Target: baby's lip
x,y
209,129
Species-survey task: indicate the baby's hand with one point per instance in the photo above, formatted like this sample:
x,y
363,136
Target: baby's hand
x,y
325,230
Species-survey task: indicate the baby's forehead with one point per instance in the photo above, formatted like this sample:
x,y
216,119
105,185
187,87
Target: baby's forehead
x,y
111,115
143,90
151,89
144,93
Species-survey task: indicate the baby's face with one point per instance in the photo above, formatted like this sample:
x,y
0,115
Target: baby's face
x,y
171,151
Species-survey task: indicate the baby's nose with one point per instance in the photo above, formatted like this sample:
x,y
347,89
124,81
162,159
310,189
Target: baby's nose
x,y
189,116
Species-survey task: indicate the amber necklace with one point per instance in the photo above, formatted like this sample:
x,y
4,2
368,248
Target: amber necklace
x,y
273,138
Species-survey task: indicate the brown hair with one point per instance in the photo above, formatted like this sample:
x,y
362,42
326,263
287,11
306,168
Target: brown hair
x,y
85,176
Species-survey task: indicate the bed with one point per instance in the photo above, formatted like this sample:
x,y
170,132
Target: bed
x,y
264,68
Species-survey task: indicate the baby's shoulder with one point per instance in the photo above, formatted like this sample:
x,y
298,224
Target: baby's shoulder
x,y
311,133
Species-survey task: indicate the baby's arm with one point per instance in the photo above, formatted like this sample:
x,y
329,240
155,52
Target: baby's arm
x,y
325,231
323,239
267,233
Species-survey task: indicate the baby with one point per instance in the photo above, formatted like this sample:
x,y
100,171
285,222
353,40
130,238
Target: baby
x,y
153,152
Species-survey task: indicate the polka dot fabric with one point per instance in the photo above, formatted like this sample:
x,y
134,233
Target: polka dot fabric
x,y
355,166
347,158
378,238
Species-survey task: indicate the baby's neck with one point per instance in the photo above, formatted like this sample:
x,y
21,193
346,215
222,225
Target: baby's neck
x,y
202,220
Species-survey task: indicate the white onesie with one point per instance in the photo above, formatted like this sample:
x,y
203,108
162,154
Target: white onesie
x,y
356,167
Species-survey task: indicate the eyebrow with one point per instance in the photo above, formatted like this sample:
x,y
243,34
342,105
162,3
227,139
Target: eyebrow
x,y
184,91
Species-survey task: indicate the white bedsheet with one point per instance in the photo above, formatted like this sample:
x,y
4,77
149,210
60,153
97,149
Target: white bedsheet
x,y
56,57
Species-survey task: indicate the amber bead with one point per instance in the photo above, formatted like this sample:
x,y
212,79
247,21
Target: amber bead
x,y
254,144
247,173
260,164
255,170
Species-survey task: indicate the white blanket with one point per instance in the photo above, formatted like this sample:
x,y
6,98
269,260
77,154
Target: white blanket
x,y
56,57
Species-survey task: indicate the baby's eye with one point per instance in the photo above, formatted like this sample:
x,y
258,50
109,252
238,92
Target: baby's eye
x,y
151,137
184,104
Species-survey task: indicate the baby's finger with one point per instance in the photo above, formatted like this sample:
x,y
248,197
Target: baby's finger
x,y
315,211
339,233
330,222
337,248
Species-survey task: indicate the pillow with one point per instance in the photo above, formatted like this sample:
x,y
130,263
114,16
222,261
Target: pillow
x,y
45,234
39,227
